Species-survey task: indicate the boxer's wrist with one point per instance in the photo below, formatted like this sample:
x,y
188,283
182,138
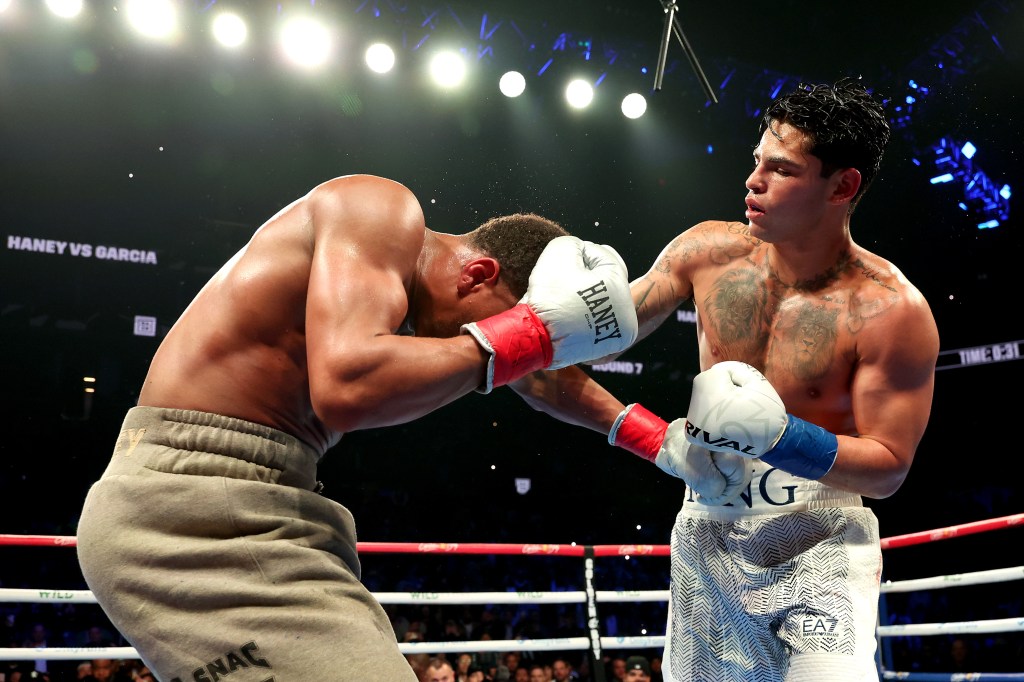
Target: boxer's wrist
x,y
638,430
804,450
517,341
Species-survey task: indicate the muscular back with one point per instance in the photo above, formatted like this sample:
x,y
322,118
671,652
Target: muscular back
x,y
240,348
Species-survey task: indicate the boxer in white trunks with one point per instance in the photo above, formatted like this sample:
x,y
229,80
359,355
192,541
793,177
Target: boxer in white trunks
x,y
819,360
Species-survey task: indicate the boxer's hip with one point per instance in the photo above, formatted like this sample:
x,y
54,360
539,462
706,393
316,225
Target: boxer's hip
x,y
204,444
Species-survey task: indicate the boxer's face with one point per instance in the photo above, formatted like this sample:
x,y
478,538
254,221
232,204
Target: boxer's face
x,y
463,295
482,300
786,195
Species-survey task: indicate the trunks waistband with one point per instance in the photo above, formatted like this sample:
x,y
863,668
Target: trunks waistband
x,y
204,444
741,511
772,491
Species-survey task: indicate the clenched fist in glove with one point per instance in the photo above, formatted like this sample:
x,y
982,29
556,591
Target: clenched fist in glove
x,y
733,408
577,308
716,477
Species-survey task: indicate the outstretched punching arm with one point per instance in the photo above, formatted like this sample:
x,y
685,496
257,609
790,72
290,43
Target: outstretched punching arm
x,y
572,396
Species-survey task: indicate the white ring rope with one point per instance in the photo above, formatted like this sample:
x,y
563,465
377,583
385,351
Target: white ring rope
x,y
962,627
14,595
591,597
30,596
73,653
497,645
996,575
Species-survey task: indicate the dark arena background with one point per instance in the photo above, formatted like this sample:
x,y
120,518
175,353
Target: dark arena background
x,y
133,164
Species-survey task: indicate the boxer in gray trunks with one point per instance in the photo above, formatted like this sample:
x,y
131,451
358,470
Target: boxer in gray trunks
x,y
205,540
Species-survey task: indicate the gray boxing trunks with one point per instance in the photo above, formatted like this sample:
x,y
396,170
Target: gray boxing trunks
x,y
782,585
206,545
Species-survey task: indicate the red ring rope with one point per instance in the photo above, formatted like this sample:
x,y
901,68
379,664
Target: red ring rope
x,y
918,538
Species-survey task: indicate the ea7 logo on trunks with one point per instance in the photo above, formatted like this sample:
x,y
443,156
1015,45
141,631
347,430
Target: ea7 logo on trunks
x,y
605,325
819,626
245,656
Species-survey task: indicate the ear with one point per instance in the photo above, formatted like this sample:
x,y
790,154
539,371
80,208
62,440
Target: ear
x,y
847,182
483,270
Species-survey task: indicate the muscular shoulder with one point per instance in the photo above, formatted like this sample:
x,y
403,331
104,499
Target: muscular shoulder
x,y
886,305
878,285
705,247
710,242
365,201
367,211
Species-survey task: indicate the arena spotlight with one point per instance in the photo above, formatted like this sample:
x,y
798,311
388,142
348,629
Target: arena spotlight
x,y
579,93
512,84
65,9
448,69
229,29
306,42
156,19
380,57
634,105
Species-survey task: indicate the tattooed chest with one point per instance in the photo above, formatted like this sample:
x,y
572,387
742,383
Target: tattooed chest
x,y
795,336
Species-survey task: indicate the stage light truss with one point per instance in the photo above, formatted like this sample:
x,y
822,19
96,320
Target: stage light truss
x,y
966,48
985,201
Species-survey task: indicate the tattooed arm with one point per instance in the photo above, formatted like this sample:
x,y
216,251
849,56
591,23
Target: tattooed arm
x,y
665,286
571,395
670,281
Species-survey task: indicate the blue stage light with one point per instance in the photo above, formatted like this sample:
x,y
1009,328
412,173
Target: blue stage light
x,y
981,198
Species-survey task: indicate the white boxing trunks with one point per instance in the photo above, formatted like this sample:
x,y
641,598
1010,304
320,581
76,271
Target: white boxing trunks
x,y
781,585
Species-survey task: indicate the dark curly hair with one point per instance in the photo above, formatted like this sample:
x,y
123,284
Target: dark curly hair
x,y
516,241
846,125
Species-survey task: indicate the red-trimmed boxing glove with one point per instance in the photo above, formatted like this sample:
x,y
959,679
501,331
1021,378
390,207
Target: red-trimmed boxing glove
x,y
717,477
577,308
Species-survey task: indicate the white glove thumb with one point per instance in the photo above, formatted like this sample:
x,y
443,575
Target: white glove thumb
x,y
737,473
716,477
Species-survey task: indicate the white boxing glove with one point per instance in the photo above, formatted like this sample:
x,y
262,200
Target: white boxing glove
x,y
716,477
733,408
580,291
577,308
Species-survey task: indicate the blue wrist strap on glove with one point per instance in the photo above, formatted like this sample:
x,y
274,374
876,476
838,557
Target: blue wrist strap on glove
x,y
805,450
